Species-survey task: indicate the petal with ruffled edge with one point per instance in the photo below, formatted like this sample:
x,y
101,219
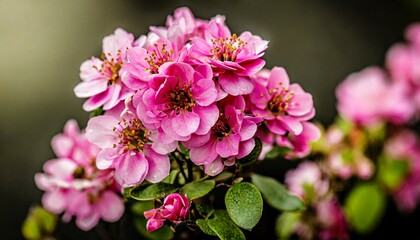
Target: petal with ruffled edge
x,y
204,92
235,85
229,146
204,154
107,158
278,79
214,168
99,131
185,123
245,148
248,130
97,100
131,170
159,165
208,117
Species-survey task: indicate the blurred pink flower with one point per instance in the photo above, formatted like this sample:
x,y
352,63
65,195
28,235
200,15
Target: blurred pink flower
x,y
75,186
332,220
174,209
367,99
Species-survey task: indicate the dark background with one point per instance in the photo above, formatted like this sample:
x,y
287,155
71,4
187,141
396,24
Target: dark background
x,y
43,43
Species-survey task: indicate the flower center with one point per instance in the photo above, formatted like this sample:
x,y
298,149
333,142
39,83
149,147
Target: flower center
x,y
222,128
280,101
181,99
227,49
111,68
157,57
133,135
79,173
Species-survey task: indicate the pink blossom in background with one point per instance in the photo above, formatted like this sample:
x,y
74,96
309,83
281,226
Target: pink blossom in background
x,y
307,175
73,184
332,220
101,77
367,98
126,147
405,146
174,209
230,138
179,102
233,58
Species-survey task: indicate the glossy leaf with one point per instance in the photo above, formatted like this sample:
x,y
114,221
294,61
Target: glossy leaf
x,y
150,192
196,190
286,223
204,226
244,204
276,194
223,226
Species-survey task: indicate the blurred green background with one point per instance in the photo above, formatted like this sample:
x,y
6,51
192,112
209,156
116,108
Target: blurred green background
x,y
43,43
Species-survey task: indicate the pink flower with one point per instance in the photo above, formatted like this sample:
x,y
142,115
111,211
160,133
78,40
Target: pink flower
x,y
284,106
174,209
332,220
74,186
229,139
367,99
233,58
126,147
179,102
101,78
306,181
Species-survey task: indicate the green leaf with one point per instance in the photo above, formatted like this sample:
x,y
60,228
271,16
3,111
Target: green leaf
x,y
39,224
196,190
96,112
150,192
277,152
244,204
392,172
224,227
286,223
162,233
204,226
364,207
253,155
171,177
276,194
30,228
204,208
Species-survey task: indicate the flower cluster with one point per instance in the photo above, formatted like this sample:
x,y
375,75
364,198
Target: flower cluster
x,y
75,186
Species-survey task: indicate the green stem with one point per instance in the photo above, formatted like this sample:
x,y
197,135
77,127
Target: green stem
x,y
179,162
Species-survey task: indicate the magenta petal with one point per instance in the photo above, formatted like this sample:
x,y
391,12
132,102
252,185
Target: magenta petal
x,y
208,117
251,67
90,88
204,92
301,105
197,140
185,123
204,154
235,85
159,165
99,131
275,127
245,148
131,170
97,100
111,206
229,146
153,224
292,124
248,130
62,145
278,78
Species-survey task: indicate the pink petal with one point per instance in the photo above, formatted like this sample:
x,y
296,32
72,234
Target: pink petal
x,y
235,85
204,92
61,168
278,78
131,170
62,145
292,124
99,131
214,168
106,158
208,117
111,206
276,127
159,165
54,201
245,148
153,224
204,154
248,130
185,123
301,104
87,222
229,146
90,88
97,101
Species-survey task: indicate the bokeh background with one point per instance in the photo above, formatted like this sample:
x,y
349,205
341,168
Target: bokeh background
x,y
43,42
